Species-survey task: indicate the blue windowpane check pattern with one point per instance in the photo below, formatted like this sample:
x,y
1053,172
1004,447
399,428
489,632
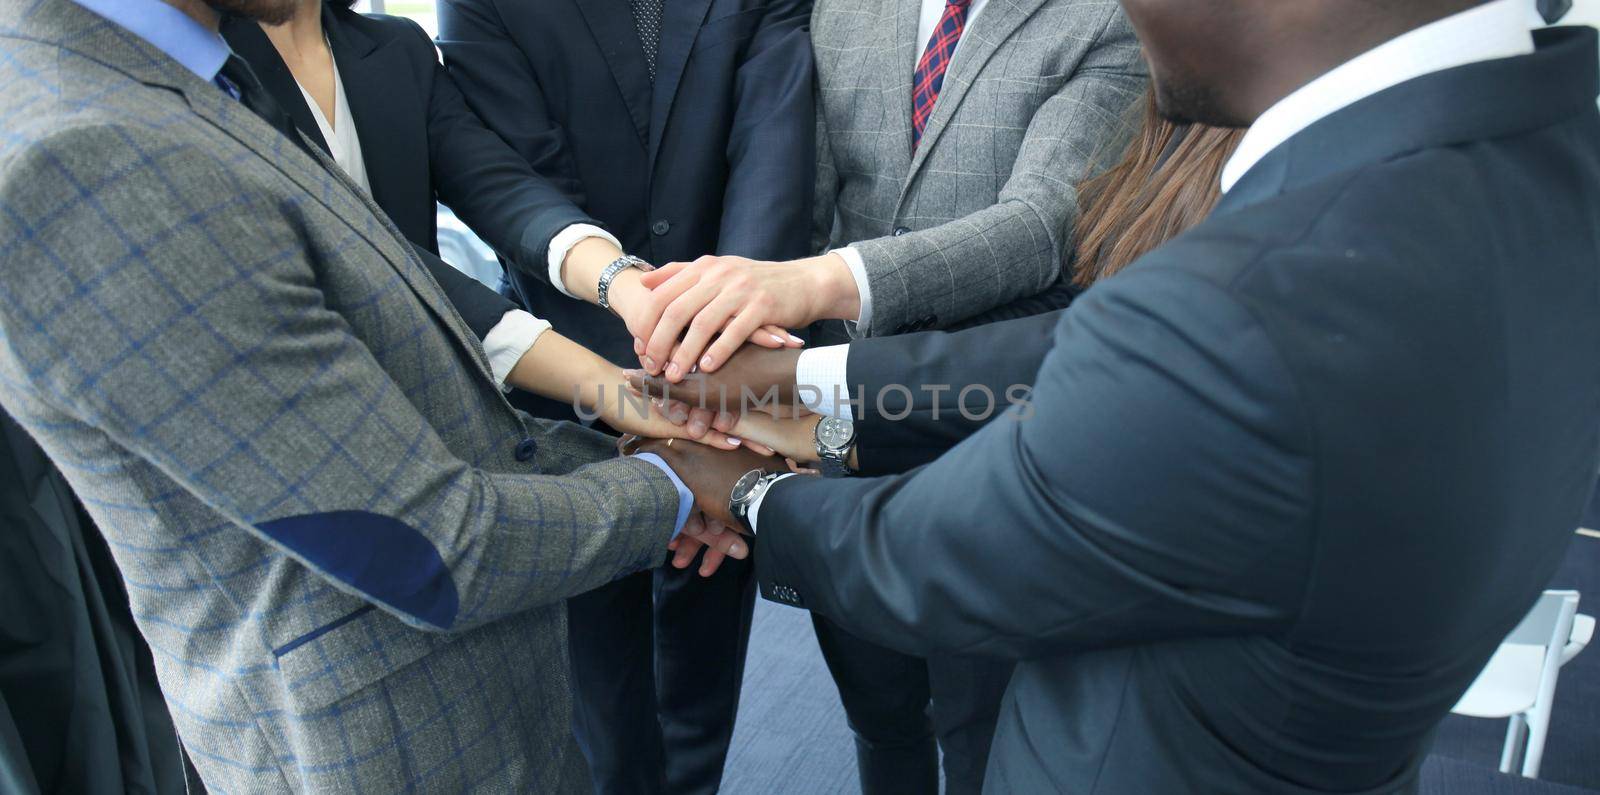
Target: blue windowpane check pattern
x,y
308,479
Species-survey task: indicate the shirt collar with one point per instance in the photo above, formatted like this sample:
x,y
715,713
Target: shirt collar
x,y
191,44
1497,29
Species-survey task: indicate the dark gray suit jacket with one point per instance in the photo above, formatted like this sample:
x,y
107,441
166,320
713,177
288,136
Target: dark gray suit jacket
x,y
1288,481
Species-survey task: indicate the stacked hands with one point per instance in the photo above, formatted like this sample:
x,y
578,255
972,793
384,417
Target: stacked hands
x,y
715,393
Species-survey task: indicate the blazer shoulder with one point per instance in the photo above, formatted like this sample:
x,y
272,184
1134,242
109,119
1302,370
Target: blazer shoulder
x,y
386,29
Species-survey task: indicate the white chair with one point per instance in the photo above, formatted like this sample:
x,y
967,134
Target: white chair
x,y
1520,680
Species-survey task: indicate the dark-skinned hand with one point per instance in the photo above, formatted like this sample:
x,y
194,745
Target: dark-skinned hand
x,y
752,375
708,472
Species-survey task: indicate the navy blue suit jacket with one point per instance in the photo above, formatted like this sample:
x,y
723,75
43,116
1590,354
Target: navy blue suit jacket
x,y
421,144
1287,481
715,156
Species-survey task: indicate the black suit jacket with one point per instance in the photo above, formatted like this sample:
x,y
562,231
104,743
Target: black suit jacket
x,y
913,407
715,156
422,144
1288,481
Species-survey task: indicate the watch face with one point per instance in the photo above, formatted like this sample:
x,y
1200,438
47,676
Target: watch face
x,y
746,484
835,433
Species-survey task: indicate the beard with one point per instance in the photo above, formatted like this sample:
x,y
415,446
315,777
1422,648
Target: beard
x,y
269,12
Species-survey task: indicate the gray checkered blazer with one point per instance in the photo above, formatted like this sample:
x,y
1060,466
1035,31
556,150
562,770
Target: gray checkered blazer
x,y
1037,94
348,553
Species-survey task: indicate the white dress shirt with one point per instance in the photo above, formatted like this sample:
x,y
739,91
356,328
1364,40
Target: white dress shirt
x,y
517,330
932,11
1498,29
340,132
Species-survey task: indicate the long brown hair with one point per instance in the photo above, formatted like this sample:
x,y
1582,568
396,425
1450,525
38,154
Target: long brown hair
x,y
1145,200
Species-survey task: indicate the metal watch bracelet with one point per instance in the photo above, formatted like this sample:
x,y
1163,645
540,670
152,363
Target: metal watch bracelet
x,y
608,275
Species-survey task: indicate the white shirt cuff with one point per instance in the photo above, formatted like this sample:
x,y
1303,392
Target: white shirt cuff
x,y
858,271
562,244
509,340
755,507
821,378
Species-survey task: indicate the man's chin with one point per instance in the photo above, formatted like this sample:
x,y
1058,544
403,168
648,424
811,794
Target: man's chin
x,y
267,12
1185,104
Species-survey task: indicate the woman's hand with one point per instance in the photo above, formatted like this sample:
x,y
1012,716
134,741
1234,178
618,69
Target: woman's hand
x,y
793,438
652,419
698,314
639,308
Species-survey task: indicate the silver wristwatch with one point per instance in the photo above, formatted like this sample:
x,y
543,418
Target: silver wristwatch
x,y
746,491
617,266
834,436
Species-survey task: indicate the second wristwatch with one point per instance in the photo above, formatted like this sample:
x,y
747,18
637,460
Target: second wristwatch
x,y
834,436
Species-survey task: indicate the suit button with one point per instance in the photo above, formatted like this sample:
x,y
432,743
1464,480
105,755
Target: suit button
x,y
902,328
661,228
900,230
526,449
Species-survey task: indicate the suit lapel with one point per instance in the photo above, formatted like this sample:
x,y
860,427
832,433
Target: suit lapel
x,y
327,184
249,42
386,111
1000,19
101,41
898,51
680,24
611,22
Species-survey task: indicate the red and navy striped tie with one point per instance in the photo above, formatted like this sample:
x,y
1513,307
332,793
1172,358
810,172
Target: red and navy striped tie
x,y
929,77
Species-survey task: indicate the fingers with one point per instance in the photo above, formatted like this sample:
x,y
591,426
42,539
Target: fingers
x,y
686,546
732,338
653,279
771,336
674,411
700,422
711,562
657,344
694,316
714,536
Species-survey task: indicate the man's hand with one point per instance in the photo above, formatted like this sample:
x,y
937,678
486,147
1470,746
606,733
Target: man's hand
x,y
753,378
719,542
630,299
730,299
708,472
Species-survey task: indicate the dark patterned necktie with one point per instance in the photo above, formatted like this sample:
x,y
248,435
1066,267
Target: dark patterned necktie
x,y
647,18
240,82
929,77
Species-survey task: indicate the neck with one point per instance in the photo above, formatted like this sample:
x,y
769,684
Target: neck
x,y
1340,36
302,33
198,11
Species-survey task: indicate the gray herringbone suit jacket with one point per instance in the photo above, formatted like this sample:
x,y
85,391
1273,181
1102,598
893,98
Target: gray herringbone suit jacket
x,y
347,551
982,214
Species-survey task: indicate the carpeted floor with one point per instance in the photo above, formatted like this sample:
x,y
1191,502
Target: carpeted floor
x,y
791,736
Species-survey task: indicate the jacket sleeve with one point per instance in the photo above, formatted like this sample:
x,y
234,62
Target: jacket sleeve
x,y
771,146
217,357
485,181
494,79
1016,246
1160,489
481,307
923,393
